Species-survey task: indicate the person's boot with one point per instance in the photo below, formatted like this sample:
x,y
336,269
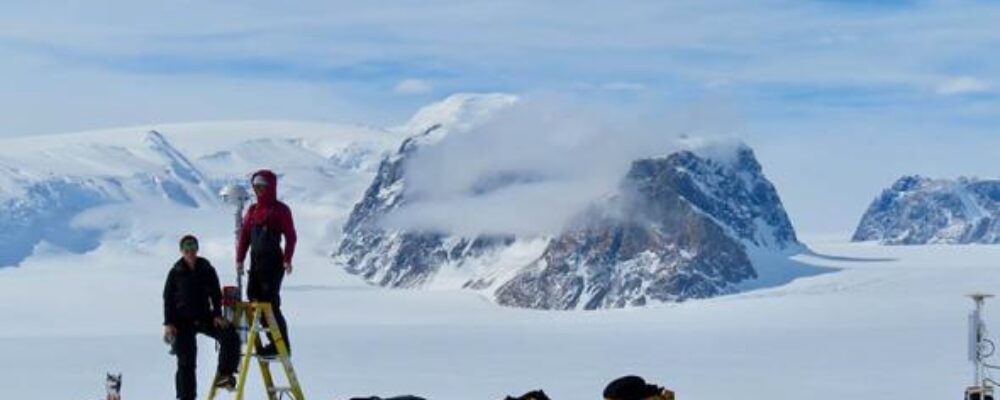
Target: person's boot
x,y
269,351
227,382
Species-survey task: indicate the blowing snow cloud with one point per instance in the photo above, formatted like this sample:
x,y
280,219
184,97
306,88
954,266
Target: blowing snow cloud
x,y
527,169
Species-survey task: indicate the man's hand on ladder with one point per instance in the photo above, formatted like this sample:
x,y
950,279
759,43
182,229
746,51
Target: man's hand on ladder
x,y
220,322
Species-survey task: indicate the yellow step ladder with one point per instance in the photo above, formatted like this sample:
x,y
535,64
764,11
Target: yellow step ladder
x,y
255,313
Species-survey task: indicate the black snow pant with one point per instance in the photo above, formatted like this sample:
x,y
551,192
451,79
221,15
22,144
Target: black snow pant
x,y
186,349
264,284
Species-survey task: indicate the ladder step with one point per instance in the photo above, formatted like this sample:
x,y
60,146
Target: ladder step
x,y
282,389
271,358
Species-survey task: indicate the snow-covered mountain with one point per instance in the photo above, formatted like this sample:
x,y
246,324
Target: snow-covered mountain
x,y
920,210
399,258
678,228
50,186
681,226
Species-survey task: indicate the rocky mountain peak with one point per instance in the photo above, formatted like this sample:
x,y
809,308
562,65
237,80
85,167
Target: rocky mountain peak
x,y
920,210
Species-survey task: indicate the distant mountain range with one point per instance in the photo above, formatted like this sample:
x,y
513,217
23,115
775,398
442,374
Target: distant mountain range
x,y
919,210
699,221
679,226
49,183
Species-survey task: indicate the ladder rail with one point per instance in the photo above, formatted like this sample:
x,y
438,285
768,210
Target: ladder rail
x,y
253,336
283,354
265,372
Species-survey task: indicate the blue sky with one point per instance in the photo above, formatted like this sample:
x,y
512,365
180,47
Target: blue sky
x,y
848,93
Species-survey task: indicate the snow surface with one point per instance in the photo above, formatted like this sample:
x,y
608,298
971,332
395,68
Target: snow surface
x,y
890,324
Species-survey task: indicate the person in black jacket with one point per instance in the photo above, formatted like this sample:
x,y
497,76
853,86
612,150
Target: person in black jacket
x,y
192,303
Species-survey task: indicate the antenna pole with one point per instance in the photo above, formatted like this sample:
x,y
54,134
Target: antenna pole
x,y
236,196
978,343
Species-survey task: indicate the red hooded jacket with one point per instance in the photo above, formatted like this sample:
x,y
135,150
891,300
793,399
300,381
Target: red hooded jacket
x,y
268,212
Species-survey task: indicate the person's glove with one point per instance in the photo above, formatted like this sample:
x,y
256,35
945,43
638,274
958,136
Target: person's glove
x,y
220,322
169,331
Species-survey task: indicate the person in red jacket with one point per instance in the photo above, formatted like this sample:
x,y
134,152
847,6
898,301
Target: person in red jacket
x,y
265,223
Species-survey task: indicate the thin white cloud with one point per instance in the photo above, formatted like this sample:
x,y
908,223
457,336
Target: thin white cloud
x,y
413,86
757,48
624,86
963,85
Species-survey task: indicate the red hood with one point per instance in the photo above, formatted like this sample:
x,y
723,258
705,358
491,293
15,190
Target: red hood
x,y
269,195
270,214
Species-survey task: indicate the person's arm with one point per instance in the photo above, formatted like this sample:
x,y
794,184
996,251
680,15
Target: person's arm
x,y
288,229
214,291
169,303
243,244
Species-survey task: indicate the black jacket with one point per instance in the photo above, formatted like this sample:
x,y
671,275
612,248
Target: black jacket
x,y
191,294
